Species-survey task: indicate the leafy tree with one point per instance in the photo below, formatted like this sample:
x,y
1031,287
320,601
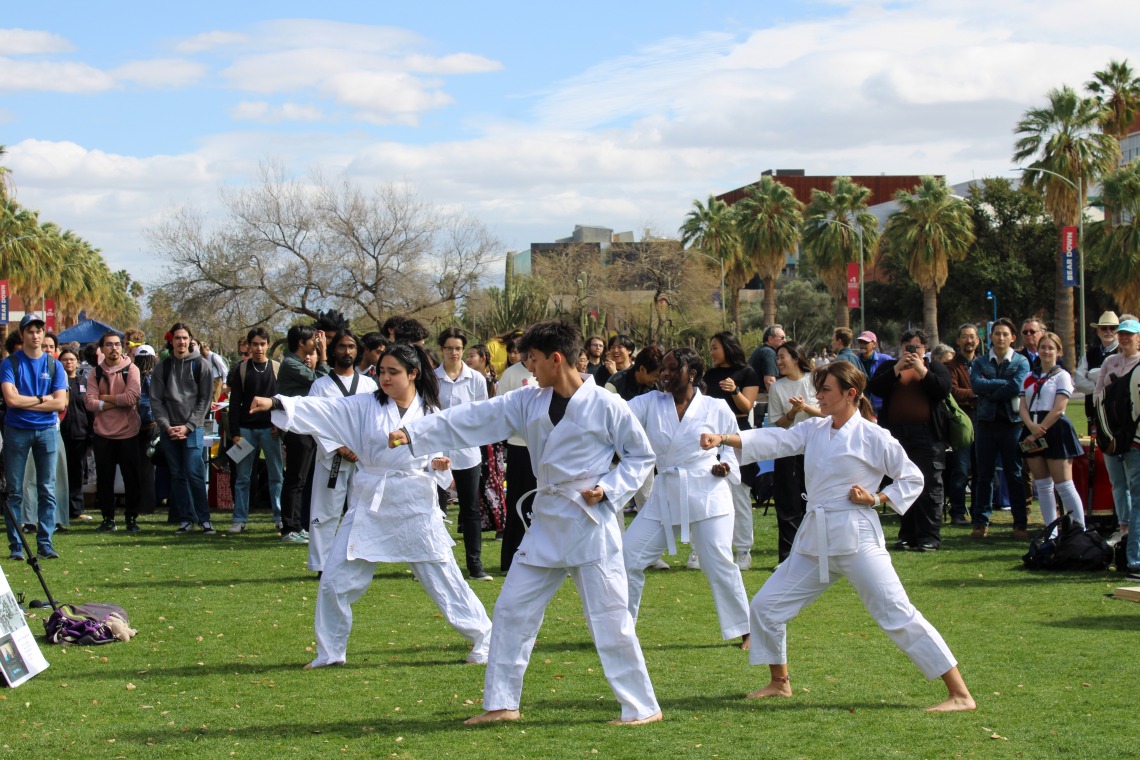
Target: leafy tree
x,y
832,226
771,221
930,229
1069,153
712,228
1116,249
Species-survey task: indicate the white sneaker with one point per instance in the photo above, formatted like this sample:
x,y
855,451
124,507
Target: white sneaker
x,y
694,562
237,527
1116,538
744,560
660,565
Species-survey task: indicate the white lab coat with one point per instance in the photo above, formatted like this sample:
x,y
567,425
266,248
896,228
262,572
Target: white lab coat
x,y
469,386
841,537
687,499
328,503
565,533
392,516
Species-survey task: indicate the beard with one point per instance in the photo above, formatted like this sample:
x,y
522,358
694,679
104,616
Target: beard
x,y
344,361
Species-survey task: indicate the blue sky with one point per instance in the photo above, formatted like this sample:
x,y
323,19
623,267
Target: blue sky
x,y
530,118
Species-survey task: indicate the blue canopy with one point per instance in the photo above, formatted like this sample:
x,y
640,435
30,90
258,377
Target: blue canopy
x,y
87,331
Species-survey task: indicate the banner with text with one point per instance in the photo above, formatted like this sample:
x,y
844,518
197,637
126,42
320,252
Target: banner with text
x,y
1069,244
49,314
3,302
852,286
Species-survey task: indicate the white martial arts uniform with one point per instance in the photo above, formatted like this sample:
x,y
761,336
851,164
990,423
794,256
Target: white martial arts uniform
x,y
565,534
689,502
845,536
328,503
393,516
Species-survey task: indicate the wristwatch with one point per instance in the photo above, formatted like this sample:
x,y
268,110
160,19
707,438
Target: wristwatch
x,y
41,399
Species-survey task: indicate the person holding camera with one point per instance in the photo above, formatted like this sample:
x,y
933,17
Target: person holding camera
x,y
912,390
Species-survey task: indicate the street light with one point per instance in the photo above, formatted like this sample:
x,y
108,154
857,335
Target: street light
x,y
862,297
991,297
723,324
1080,243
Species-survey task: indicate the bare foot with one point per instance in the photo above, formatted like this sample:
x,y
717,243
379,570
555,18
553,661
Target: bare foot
x,y
314,665
493,715
955,704
746,642
638,721
773,689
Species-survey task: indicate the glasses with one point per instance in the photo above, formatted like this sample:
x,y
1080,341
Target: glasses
x,y
1110,328
112,345
1030,332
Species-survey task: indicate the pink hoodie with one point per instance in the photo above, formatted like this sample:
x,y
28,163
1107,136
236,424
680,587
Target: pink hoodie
x,y
120,420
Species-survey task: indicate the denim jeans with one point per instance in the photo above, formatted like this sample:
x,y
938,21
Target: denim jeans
x,y
1124,472
959,469
1121,493
187,465
42,445
262,440
990,443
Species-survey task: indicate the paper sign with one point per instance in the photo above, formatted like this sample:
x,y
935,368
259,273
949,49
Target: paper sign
x,y
240,450
20,656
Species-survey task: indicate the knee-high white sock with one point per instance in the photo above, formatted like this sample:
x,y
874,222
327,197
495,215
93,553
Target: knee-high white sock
x,y
1046,498
1067,491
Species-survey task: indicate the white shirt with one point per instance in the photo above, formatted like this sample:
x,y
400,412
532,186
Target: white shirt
x,y
514,377
782,390
326,387
1061,382
468,386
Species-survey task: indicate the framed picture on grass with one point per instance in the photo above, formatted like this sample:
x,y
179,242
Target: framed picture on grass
x,y
20,656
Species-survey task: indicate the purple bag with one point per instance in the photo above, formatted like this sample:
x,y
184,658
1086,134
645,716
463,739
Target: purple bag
x,y
84,624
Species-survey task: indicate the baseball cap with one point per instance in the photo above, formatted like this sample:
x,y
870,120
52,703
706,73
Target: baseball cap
x,y
31,318
144,350
1129,326
867,337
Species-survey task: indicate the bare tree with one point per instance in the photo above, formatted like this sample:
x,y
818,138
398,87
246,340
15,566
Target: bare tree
x,y
288,247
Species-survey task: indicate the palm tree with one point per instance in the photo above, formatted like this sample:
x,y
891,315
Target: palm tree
x,y
1117,91
1071,154
712,228
771,224
831,238
930,229
1116,248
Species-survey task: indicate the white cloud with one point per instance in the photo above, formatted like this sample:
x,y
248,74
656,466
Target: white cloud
x,y
52,76
161,73
31,42
266,113
211,40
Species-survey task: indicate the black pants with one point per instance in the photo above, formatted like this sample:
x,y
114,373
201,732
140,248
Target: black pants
x,y
146,473
520,479
300,453
109,454
788,491
922,523
76,451
470,524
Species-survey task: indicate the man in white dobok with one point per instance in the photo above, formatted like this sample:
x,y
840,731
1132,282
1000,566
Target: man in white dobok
x,y
572,429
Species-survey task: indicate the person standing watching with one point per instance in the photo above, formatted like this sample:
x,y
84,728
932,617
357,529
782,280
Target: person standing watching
x,y
1088,369
181,391
763,359
76,430
35,391
960,464
252,377
870,360
997,380
841,344
295,379
595,350
912,390
113,391
218,368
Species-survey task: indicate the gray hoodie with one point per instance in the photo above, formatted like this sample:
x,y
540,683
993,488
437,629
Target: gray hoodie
x,y
181,394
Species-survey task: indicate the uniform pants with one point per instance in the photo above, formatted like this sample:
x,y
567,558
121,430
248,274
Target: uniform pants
x,y
742,536
520,480
796,584
644,543
345,580
327,507
602,587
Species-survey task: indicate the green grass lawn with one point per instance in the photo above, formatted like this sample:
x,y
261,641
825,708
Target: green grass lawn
x,y
225,624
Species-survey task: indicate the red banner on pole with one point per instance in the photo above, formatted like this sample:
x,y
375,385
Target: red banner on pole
x,y
1069,245
852,286
49,314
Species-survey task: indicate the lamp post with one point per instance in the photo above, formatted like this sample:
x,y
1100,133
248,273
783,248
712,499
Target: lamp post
x,y
991,297
1080,244
862,297
723,324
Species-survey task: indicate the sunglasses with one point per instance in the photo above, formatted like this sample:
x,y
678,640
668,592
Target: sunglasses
x,y
1030,332
1110,328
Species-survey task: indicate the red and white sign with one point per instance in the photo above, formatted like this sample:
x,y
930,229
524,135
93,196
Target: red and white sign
x,y
852,286
49,314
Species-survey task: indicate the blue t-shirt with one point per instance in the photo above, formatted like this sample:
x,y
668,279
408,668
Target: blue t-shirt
x,y
34,380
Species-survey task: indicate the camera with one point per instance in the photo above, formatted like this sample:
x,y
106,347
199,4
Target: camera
x,y
912,349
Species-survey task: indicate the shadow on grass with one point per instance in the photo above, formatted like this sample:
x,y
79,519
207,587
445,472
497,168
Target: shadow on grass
x,y
1123,622
234,581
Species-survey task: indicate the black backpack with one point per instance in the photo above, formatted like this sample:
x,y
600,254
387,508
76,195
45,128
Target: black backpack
x,y
1074,547
1116,427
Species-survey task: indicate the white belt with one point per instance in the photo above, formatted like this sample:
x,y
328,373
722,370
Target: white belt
x,y
570,489
821,532
375,506
678,502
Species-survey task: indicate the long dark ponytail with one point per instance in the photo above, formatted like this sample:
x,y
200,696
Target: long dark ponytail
x,y
412,357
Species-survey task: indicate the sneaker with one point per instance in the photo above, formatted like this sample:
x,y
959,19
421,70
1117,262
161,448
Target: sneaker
x,y
48,553
133,525
744,560
901,545
660,564
17,555
208,528
304,534
482,576
185,527
84,517
1020,534
237,528
1115,538
926,546
294,537
694,562
961,522
107,526
980,531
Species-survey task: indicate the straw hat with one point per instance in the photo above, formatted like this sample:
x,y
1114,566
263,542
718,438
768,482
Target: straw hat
x,y
1108,319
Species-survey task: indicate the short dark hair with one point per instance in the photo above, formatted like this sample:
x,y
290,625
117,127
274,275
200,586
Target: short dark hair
x,y
844,335
391,323
411,331
298,334
648,359
624,340
688,357
733,351
257,332
373,340
915,334
792,349
551,337
108,334
592,338
1004,322
13,340
331,320
452,332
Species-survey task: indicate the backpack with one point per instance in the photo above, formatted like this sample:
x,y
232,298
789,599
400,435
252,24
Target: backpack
x,y
1072,548
88,624
146,415
1116,427
16,381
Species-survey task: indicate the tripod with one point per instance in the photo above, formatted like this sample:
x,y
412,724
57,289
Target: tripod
x,y
32,559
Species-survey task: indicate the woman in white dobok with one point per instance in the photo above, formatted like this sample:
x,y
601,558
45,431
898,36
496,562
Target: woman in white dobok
x,y
691,499
846,457
393,515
